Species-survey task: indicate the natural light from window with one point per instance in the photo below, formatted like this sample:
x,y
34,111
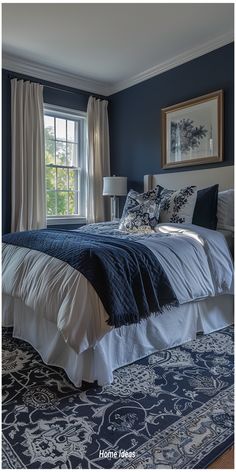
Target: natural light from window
x,y
64,159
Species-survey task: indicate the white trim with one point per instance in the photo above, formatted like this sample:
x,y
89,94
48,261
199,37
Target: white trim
x,y
52,74
175,61
64,111
66,220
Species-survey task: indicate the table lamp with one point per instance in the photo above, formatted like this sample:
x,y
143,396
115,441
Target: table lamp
x,y
114,187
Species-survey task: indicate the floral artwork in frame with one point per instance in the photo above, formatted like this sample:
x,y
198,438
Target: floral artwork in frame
x,y
192,131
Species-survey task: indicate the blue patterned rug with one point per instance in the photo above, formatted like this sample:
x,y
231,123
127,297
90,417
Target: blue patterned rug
x,y
173,409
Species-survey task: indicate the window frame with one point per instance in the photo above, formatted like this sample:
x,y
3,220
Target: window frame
x,y
72,114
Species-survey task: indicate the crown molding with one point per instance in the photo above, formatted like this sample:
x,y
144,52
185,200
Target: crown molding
x,y
176,61
52,74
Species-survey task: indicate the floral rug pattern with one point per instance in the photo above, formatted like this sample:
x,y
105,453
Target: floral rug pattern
x,y
173,409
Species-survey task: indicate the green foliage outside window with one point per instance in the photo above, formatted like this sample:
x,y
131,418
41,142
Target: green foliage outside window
x,y
61,182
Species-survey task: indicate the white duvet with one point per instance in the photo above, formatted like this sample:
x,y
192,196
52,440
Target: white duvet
x,y
196,260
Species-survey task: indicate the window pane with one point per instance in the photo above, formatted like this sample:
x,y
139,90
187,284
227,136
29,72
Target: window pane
x,y
71,130
49,152
72,203
62,179
60,129
60,153
50,178
62,203
73,180
62,157
72,154
49,127
51,203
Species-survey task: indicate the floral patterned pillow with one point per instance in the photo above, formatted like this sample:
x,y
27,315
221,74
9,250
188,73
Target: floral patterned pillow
x,y
141,210
141,217
177,206
134,198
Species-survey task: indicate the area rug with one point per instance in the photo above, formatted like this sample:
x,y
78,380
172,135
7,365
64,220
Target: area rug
x,y
173,409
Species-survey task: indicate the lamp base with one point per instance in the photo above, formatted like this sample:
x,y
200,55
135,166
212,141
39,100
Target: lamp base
x,y
114,208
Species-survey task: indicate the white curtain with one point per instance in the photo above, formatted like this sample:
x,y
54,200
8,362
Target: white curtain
x,y
98,159
28,161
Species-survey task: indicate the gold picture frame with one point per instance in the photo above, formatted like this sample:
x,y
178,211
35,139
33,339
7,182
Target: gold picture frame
x,y
192,131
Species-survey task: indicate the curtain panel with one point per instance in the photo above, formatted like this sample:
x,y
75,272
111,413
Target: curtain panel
x,y
98,159
28,160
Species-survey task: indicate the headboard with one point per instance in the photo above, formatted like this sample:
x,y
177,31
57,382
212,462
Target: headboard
x,y
224,176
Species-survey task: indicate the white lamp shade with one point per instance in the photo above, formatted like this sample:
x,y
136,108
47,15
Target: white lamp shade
x,y
114,186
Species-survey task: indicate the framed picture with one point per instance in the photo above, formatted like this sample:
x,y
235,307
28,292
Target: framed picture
x,y
192,131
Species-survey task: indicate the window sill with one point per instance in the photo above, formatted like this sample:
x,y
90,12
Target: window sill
x,y
72,220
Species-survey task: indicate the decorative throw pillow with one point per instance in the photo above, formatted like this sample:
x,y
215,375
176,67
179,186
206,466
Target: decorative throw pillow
x,y
141,209
205,212
141,217
133,198
225,209
177,206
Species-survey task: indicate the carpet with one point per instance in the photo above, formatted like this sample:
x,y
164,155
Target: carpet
x,y
173,409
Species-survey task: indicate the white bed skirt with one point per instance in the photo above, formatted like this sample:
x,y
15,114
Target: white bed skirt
x,y
120,346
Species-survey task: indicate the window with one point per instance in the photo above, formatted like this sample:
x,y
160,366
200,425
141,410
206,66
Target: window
x,y
65,160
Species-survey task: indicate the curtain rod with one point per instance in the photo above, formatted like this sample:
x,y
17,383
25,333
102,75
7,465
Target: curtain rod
x,y
81,92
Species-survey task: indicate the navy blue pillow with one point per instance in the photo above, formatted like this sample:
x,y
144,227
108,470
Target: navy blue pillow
x,y
205,211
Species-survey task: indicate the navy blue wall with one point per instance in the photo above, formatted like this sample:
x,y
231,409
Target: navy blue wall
x,y
53,94
135,116
135,113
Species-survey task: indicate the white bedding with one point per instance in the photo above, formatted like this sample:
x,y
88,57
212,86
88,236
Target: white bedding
x,y
196,260
120,346
229,237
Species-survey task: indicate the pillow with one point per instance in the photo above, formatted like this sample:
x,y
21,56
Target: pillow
x,y
205,212
177,206
225,209
229,237
140,217
133,198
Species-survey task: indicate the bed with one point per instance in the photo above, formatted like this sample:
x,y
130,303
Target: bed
x,y
57,310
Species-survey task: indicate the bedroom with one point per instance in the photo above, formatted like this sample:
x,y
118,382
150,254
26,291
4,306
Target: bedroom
x,y
145,306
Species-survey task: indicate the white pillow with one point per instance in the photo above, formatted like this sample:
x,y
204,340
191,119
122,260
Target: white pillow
x,y
177,206
225,209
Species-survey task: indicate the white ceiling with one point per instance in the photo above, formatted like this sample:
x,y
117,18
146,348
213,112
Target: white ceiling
x,y
113,43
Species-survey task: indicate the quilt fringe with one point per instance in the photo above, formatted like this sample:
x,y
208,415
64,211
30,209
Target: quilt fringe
x,y
131,318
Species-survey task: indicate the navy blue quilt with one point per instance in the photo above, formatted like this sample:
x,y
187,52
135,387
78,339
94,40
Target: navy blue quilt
x,y
126,275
